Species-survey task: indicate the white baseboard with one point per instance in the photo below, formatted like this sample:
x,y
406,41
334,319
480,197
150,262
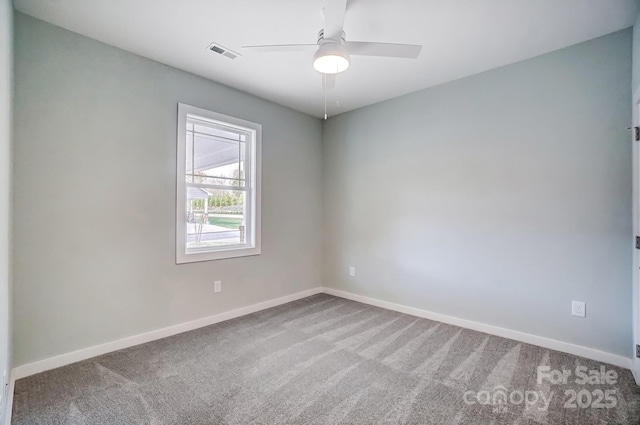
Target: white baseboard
x,y
97,350
9,400
552,344
75,356
86,353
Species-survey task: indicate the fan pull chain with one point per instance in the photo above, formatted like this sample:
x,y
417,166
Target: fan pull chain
x,y
324,76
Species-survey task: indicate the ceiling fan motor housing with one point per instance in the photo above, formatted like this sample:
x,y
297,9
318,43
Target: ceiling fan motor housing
x,y
322,40
332,56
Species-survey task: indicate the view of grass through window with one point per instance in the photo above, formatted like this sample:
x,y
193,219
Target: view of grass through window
x,y
230,223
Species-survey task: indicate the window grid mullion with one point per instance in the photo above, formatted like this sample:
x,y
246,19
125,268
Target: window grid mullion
x,y
214,177
218,187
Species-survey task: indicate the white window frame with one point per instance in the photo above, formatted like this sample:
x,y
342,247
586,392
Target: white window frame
x,y
253,179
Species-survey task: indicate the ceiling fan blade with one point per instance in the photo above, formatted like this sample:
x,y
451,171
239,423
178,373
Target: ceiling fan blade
x,y
328,81
270,48
334,11
392,50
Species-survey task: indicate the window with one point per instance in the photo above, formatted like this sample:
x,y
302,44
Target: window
x,y
218,186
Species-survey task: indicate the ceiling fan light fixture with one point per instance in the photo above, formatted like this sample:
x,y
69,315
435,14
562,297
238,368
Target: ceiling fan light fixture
x,y
331,58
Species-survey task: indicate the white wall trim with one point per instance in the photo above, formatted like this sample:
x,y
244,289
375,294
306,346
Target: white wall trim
x,y
635,292
9,400
87,353
552,344
97,350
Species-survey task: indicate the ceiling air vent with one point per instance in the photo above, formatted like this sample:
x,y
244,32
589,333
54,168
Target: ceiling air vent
x,y
221,50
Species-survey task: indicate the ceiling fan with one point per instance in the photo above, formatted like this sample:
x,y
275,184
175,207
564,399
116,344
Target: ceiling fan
x,y
333,50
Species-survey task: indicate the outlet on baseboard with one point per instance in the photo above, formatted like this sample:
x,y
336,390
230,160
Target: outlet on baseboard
x,y
217,286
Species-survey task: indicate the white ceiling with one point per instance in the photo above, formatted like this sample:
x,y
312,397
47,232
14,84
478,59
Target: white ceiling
x,y
460,38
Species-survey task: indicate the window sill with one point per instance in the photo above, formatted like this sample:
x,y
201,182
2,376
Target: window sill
x,y
182,258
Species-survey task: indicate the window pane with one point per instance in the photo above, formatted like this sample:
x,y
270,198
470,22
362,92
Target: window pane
x,y
241,164
189,153
216,157
217,132
215,218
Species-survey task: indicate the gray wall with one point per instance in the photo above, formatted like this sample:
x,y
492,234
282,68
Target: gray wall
x,y
94,202
497,198
6,68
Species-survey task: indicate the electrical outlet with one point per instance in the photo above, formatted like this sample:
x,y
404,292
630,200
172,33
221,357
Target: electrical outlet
x,y
352,271
217,286
579,308
637,350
